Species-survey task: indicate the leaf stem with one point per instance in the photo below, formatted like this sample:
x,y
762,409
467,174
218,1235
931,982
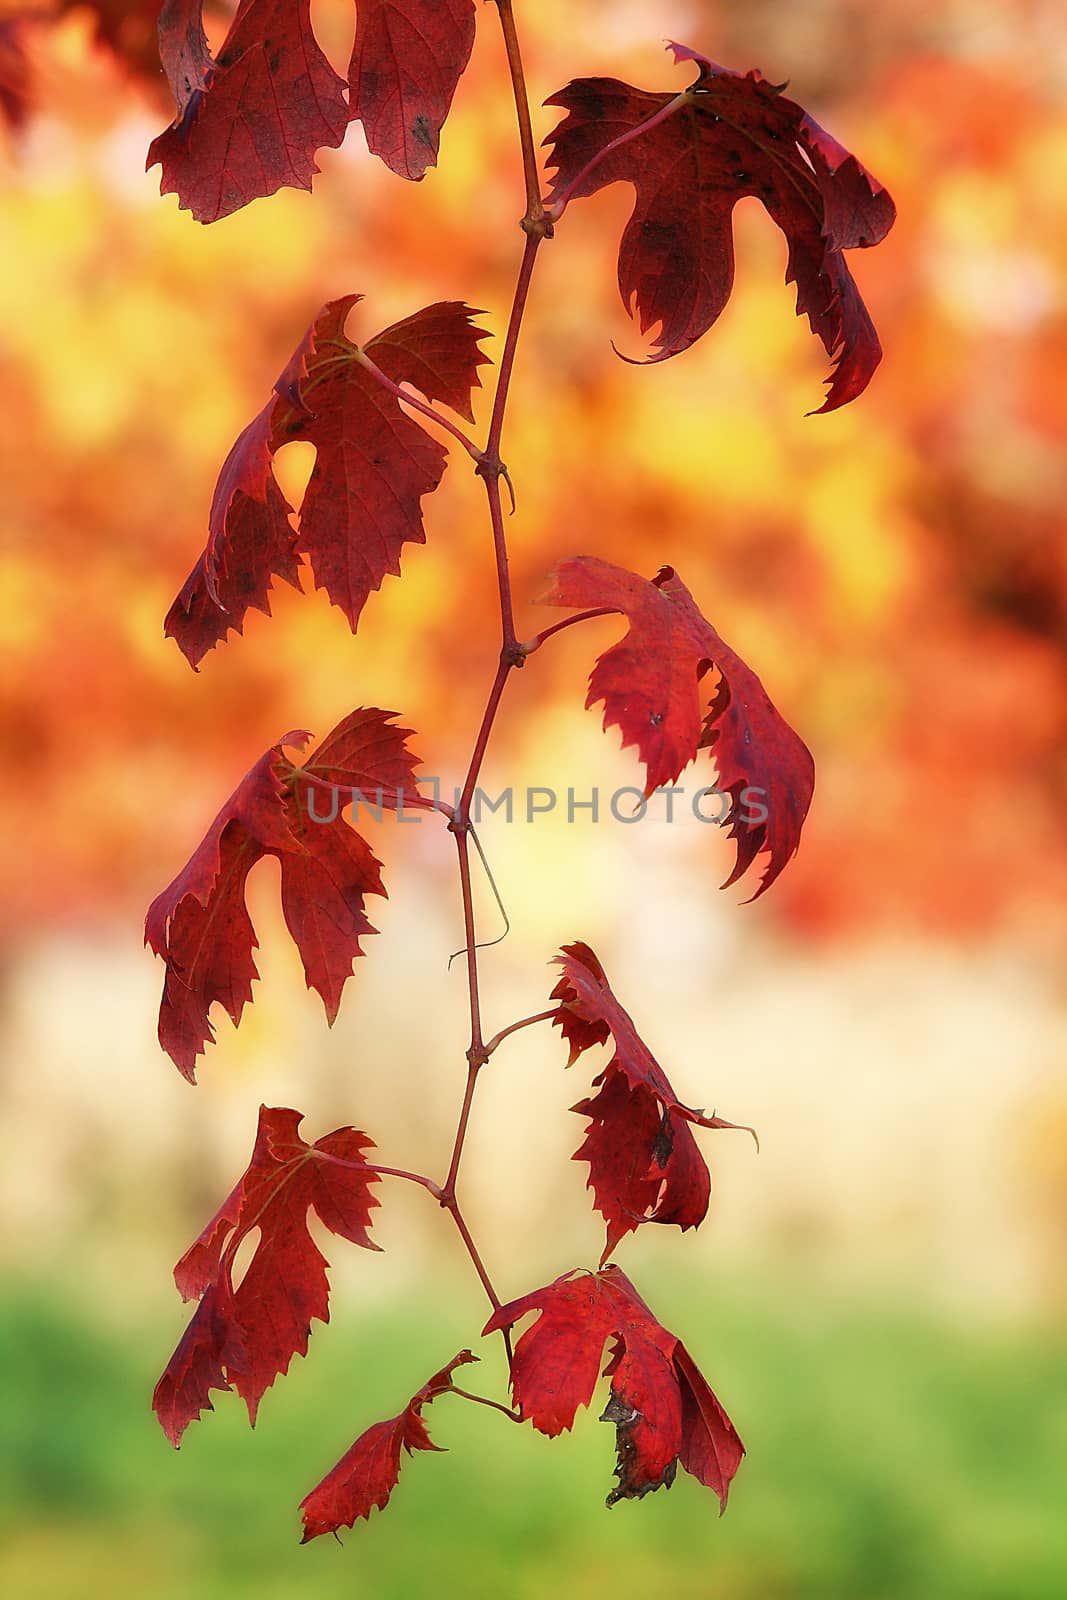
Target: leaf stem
x,y
385,1172
410,399
480,1400
557,206
568,622
527,1022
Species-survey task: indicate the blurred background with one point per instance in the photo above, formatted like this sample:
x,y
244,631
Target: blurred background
x,y
879,1297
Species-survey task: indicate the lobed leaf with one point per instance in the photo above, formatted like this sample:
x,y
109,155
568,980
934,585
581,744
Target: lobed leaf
x,y
200,924
407,58
253,118
649,684
374,466
243,1337
367,1473
664,1413
734,136
644,1163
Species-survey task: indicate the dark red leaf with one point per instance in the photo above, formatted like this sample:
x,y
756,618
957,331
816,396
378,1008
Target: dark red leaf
x,y
209,1348
366,1475
644,1164
649,684
250,120
184,53
15,85
374,465
736,135
250,541
200,924
407,59
253,119
663,1410
244,1337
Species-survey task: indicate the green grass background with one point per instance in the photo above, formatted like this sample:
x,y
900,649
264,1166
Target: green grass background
x,y
892,1454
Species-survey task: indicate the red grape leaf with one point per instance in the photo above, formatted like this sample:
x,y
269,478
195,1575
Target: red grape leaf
x,y
663,1410
250,120
200,925
244,1337
407,59
366,1475
253,119
250,541
735,136
644,1164
374,465
649,684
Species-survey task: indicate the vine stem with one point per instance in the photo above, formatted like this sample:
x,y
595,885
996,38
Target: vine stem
x,y
537,227
535,212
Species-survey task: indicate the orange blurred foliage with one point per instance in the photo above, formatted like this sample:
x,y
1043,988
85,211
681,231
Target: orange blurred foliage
x,y
894,571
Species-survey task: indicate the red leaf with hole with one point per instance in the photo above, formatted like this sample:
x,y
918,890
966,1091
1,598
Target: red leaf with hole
x,y
250,542
243,1337
644,1163
737,136
407,59
374,466
366,1475
663,1410
649,684
200,925
251,119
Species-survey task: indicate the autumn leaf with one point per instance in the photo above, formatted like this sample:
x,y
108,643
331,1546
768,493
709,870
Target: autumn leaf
x,y
15,87
644,1163
374,466
244,1336
200,924
407,58
366,1475
649,684
664,1412
250,542
251,119
733,136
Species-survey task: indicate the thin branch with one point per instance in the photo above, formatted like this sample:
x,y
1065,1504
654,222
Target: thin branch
x,y
481,743
465,1235
527,1022
449,1187
470,944
511,341
535,211
491,469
